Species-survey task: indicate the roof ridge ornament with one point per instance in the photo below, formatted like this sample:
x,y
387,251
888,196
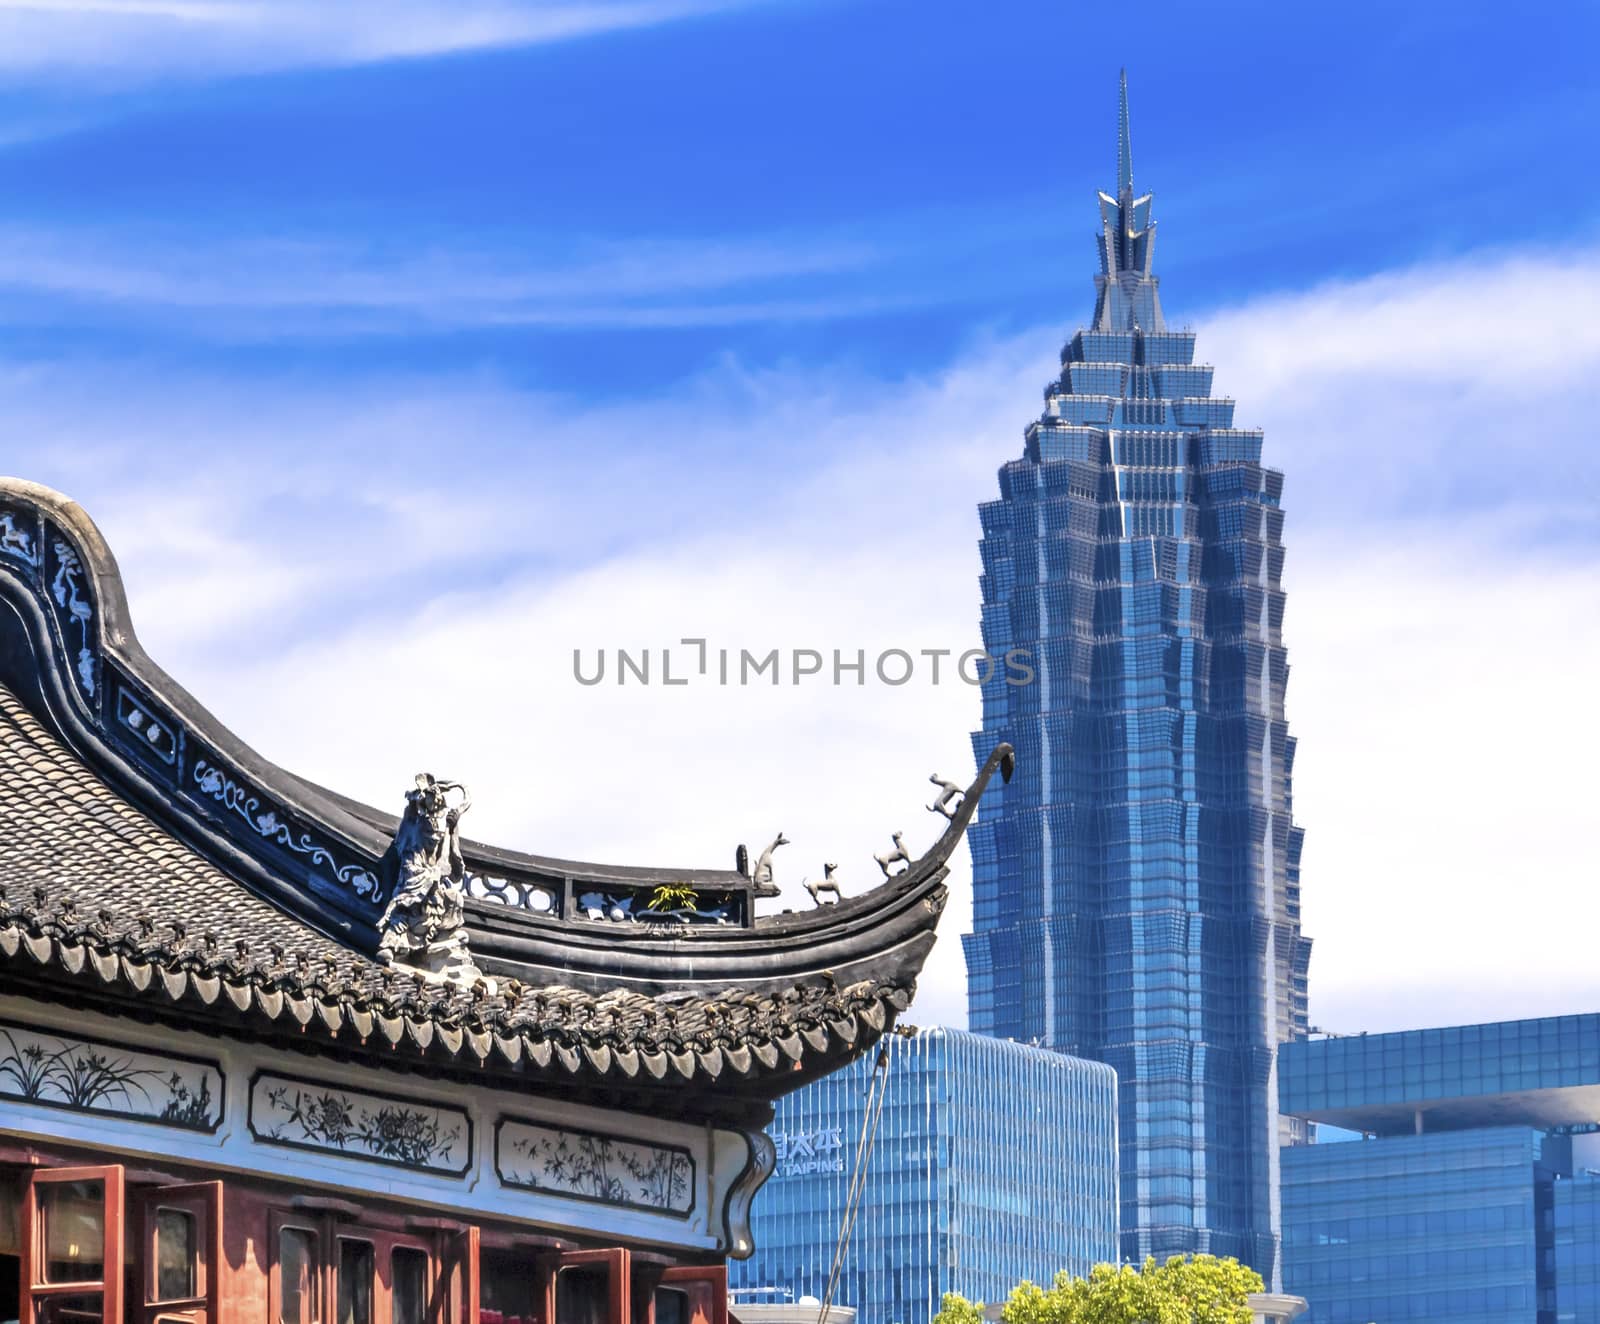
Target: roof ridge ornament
x,y
761,875
899,855
950,797
829,882
423,926
326,864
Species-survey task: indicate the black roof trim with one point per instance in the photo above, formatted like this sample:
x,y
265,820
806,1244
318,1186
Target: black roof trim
x,y
69,651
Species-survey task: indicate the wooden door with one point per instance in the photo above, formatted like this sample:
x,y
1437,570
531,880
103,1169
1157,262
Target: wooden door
x,y
299,1283
180,1239
587,1287
410,1284
72,1246
461,1278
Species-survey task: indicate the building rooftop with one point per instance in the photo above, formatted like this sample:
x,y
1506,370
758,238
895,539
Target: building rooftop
x,y
1541,1073
746,1307
157,866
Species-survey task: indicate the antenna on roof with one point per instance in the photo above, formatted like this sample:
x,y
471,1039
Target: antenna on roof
x,y
1124,142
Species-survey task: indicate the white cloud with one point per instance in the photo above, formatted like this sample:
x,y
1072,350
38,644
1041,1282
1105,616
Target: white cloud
x,y
1442,690
1513,320
130,39
1441,647
1422,394
1443,576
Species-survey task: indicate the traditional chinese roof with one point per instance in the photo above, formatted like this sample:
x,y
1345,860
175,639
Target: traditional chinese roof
x,y
153,865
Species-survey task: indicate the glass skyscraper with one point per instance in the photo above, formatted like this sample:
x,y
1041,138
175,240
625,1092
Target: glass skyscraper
x,y
1136,886
993,1162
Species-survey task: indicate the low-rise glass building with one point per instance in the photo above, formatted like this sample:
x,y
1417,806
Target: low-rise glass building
x,y
992,1162
1460,1201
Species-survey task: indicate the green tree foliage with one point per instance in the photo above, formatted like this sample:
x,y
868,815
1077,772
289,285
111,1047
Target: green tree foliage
x,y
1198,1289
956,1309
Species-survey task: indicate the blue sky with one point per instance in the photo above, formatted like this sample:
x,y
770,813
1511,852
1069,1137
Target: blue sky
x,y
786,182
425,338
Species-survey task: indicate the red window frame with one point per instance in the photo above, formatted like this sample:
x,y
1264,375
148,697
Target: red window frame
x,y
384,1244
706,1286
321,1288
460,1277
619,1276
35,1285
452,1278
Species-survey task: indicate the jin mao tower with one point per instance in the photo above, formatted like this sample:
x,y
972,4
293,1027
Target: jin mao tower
x,y
1137,885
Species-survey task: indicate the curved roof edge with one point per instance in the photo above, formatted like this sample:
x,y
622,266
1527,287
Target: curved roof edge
x,y
69,650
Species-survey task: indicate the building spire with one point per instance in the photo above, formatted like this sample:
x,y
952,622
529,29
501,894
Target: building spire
x,y
1126,286
1124,143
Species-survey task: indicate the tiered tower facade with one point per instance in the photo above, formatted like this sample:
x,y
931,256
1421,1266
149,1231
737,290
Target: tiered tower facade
x,y
1137,885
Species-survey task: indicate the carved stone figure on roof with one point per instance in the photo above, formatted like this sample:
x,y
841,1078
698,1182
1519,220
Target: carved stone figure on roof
x,y
761,875
827,883
423,922
948,801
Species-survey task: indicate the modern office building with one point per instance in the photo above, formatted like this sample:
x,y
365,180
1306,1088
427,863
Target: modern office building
x,y
992,1162
1468,1200
1136,886
1577,1245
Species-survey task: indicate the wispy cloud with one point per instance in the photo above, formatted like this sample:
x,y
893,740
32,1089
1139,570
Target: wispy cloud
x,y
465,537
288,283
305,286
129,39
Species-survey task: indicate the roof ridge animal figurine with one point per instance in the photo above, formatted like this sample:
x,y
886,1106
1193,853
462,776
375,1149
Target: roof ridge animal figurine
x,y
827,883
898,855
948,801
761,875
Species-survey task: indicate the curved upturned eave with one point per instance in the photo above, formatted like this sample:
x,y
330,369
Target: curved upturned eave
x,y
887,930
365,831
889,940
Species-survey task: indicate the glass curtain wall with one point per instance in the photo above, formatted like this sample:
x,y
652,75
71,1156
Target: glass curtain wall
x,y
993,1162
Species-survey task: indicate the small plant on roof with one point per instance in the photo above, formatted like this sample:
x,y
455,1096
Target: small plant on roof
x,y
673,896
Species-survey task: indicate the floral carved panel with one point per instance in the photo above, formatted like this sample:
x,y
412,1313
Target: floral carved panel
x,y
380,1128
238,799
73,604
588,1165
88,1076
